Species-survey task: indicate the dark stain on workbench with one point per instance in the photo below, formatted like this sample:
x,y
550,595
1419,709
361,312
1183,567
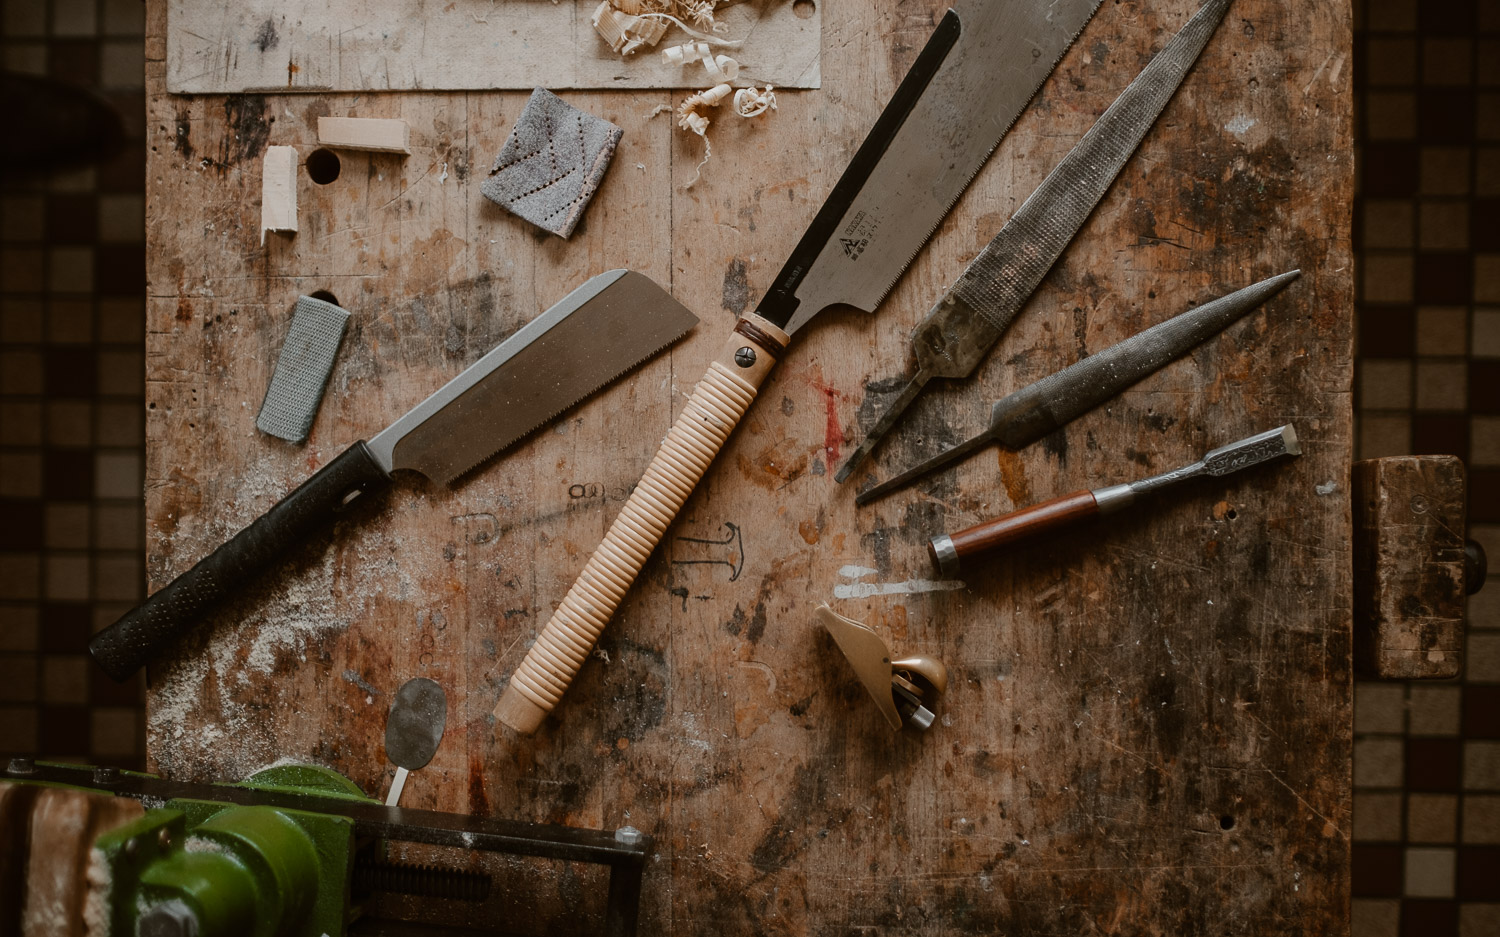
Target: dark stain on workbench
x,y
736,295
246,129
266,37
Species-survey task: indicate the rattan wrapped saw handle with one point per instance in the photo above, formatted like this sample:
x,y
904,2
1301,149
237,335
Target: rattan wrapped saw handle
x,y
711,414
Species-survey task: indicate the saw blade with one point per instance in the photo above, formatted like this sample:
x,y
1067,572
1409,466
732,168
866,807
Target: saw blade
x,y
595,334
929,142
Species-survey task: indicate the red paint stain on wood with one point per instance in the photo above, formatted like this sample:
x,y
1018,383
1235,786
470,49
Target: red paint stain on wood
x,y
1013,475
479,801
833,431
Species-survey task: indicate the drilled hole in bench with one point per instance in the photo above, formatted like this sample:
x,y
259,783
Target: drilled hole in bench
x,y
323,166
1226,822
325,296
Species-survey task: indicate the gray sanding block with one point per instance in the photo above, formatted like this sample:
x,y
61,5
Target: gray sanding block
x,y
552,163
302,369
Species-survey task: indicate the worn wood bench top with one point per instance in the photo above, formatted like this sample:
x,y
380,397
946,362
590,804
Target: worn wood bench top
x,y
1148,723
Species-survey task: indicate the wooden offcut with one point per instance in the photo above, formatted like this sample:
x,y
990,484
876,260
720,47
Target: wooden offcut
x,y
278,191
378,135
1147,727
301,46
1409,514
64,825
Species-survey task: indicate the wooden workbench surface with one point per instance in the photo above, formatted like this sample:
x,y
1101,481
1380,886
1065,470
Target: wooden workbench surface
x,y
1148,723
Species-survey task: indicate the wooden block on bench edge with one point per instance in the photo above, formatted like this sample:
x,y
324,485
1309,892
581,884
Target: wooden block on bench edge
x,y
365,133
278,191
1409,566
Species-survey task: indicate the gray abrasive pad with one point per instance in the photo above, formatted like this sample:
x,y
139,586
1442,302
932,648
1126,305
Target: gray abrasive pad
x,y
552,164
302,369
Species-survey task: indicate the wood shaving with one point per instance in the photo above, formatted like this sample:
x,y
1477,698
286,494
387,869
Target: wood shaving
x,y
689,119
720,68
626,25
625,32
749,102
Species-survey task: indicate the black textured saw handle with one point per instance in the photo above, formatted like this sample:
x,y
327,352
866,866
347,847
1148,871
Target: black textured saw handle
x,y
126,646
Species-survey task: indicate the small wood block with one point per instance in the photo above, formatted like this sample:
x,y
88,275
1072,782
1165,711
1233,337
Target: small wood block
x,y
278,191
16,801
64,825
365,133
1409,566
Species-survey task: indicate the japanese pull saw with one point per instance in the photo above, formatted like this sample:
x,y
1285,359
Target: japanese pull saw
x,y
976,74
969,319
596,333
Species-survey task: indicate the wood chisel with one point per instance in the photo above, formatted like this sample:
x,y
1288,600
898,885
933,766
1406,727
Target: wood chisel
x,y
969,319
982,65
947,550
596,333
1034,411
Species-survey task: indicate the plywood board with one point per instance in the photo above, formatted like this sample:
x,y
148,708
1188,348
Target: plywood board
x,y
219,46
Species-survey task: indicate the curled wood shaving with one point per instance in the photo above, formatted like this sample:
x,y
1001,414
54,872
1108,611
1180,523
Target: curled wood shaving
x,y
689,119
687,53
624,32
748,102
626,25
720,68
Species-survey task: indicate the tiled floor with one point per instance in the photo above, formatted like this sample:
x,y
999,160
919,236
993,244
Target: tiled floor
x,y
72,332
1427,235
1427,756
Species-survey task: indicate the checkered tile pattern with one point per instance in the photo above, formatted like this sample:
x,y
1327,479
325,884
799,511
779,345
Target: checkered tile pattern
x,y
72,328
1427,229
1427,236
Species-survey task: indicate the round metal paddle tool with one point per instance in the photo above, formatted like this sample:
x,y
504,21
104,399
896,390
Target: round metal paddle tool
x,y
414,729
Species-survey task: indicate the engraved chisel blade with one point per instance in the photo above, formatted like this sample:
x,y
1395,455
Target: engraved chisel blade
x,y
1054,401
969,319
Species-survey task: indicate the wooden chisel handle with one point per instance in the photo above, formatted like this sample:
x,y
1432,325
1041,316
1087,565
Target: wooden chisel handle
x,y
711,414
947,550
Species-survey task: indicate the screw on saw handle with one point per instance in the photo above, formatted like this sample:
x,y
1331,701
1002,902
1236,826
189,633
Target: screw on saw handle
x,y
947,550
711,414
172,611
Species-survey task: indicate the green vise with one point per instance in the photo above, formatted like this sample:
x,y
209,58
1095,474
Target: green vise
x,y
200,867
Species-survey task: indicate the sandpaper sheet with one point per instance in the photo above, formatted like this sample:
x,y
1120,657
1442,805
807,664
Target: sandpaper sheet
x,y
231,46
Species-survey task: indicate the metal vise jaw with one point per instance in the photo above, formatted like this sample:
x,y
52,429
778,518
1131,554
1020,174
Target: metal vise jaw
x,y
905,691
